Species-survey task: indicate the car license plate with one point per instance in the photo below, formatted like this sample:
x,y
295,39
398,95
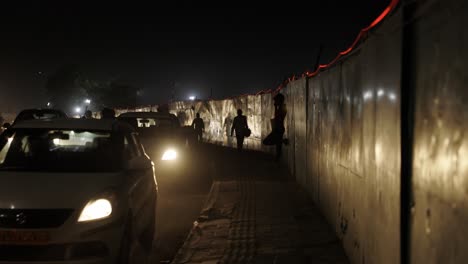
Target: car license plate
x,y
23,237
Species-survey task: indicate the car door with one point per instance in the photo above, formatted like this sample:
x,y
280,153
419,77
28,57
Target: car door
x,y
143,189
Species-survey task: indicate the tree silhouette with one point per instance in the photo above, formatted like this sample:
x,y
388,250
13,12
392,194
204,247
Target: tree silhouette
x,y
68,87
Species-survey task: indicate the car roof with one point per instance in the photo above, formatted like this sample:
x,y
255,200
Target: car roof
x,y
42,109
76,123
147,114
26,112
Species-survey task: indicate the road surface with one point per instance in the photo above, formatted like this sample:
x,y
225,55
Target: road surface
x,y
181,198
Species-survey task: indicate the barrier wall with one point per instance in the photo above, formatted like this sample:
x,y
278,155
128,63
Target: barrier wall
x,y
440,165
345,143
354,146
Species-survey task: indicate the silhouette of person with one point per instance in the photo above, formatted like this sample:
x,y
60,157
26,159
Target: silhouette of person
x,y
239,125
107,113
88,114
163,108
276,136
278,123
199,127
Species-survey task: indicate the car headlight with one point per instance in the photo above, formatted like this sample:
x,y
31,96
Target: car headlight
x,y
169,154
96,209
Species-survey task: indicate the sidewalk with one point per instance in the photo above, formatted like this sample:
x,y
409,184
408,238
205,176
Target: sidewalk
x,y
255,219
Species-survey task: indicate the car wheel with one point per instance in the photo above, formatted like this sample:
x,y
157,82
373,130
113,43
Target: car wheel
x,y
147,237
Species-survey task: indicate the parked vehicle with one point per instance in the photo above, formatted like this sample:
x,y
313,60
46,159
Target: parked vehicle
x,y
75,191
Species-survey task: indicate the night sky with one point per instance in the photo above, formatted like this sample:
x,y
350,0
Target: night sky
x,y
230,47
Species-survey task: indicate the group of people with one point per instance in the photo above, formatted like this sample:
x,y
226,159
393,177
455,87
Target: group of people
x,y
105,113
240,127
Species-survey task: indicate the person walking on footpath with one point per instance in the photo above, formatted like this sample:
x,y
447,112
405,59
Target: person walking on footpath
x,y
107,113
88,115
240,126
199,126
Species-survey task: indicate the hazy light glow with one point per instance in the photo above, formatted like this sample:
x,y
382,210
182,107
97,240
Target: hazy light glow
x,y
48,103
87,101
56,141
169,154
95,210
392,96
380,93
77,109
192,97
367,95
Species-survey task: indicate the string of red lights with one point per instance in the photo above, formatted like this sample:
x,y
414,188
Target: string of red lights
x,y
393,4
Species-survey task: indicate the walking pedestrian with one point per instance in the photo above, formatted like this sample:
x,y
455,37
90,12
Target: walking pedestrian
x,y
107,113
199,126
88,114
240,126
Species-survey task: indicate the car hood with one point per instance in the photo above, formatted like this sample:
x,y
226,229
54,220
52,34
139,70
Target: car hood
x,y
29,190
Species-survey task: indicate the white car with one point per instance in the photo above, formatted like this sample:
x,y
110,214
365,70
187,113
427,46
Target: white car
x,y
74,191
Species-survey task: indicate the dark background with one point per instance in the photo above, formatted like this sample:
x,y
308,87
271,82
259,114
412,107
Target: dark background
x,y
190,48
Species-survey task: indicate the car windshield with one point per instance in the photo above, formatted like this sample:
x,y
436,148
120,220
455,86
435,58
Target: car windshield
x,y
61,150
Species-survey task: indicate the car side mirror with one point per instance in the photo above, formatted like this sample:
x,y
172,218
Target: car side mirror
x,y
139,163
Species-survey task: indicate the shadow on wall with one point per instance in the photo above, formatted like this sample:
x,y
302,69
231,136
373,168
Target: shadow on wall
x,y
227,124
182,116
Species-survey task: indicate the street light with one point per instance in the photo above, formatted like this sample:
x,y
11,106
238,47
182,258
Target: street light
x,y
48,103
87,101
77,109
191,98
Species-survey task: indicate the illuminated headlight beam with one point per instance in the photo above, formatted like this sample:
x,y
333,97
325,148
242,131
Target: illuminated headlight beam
x,y
96,209
169,154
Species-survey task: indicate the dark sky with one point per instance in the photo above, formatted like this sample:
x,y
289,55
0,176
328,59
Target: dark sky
x,y
231,47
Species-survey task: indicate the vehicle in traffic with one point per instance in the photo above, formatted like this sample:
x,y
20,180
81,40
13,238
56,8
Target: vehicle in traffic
x,y
40,114
75,191
161,134
33,114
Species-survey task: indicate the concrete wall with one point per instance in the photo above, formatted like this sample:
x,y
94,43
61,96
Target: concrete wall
x,y
353,157
440,169
346,147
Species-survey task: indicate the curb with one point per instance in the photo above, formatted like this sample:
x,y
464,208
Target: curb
x,y
207,205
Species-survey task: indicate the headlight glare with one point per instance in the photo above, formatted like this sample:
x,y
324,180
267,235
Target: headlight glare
x,y
96,209
169,154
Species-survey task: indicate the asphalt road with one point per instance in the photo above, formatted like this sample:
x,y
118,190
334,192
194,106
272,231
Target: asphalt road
x,y
182,192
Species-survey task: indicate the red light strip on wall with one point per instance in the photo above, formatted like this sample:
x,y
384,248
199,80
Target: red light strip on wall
x,y
393,4
363,32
